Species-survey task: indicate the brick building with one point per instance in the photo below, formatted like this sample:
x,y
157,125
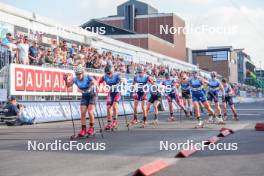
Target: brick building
x,y
140,24
223,60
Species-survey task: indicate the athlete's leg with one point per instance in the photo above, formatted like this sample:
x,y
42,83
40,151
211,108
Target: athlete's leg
x,y
91,108
156,109
208,107
144,110
83,109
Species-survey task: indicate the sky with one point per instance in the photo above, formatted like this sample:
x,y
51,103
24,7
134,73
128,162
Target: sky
x,y
242,19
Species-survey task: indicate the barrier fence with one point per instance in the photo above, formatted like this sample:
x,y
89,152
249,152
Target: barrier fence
x,y
61,111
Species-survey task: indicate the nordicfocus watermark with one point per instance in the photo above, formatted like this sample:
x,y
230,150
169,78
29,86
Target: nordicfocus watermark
x,y
59,145
191,29
190,145
133,88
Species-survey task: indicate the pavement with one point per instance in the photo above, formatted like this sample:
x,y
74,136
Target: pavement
x,y
125,151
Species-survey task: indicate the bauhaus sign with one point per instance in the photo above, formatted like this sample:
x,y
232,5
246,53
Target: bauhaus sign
x,y
33,80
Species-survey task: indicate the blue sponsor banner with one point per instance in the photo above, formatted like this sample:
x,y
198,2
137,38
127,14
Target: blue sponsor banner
x,y
43,111
71,108
60,111
127,108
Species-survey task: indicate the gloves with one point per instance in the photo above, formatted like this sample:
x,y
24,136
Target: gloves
x,y
65,77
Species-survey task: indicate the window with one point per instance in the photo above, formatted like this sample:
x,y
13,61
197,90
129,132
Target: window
x,y
218,55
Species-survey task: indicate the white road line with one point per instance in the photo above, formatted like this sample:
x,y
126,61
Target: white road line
x,y
250,109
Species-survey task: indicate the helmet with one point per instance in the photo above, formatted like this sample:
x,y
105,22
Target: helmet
x,y
78,69
140,69
108,68
213,74
195,73
167,75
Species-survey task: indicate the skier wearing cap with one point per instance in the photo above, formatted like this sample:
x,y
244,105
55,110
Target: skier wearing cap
x,y
140,82
198,95
172,93
214,86
113,97
155,99
86,84
228,99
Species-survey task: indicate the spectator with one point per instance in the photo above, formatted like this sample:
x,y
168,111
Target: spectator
x,y
41,56
23,48
48,57
7,40
73,50
33,54
16,110
11,108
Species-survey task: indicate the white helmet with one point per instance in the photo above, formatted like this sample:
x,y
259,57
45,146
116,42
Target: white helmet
x,y
213,74
78,69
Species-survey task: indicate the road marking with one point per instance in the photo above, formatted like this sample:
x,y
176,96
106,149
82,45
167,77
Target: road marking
x,y
250,109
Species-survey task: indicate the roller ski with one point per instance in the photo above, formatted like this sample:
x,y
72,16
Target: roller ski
x,y
143,124
219,120
235,118
211,119
225,117
111,126
200,124
135,121
84,134
155,122
171,119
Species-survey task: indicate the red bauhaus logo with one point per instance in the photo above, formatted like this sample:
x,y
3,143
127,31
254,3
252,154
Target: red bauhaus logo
x,y
27,79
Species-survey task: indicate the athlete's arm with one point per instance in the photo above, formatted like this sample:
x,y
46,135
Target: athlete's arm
x,y
222,88
69,82
101,80
204,81
150,80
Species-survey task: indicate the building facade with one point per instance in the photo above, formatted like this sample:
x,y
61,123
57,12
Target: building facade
x,y
145,27
223,60
244,64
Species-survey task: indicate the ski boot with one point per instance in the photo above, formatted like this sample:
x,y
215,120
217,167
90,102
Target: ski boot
x,y
171,119
211,119
108,127
80,135
91,132
200,123
236,117
114,125
133,122
225,117
219,120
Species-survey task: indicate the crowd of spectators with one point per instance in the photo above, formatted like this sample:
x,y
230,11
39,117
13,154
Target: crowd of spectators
x,y
62,54
25,51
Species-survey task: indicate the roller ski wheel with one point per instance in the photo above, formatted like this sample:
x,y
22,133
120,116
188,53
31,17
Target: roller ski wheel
x,y
211,120
186,114
77,137
114,125
108,127
200,124
171,119
133,122
235,118
155,122
143,125
82,135
219,120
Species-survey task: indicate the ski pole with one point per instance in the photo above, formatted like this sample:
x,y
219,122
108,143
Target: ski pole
x,y
125,112
101,130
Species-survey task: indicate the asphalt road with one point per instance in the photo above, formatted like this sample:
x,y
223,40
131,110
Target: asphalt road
x,y
125,150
